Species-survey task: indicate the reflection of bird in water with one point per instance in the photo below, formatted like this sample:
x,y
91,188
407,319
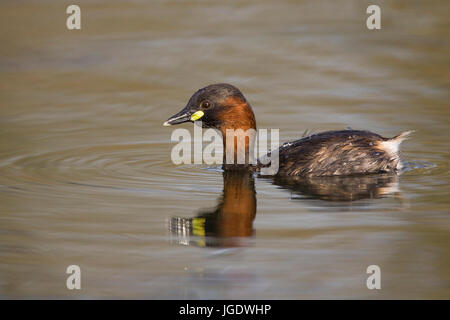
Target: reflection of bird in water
x,y
341,188
344,165
226,224
232,219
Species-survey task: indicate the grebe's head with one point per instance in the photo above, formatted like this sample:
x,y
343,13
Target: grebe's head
x,y
221,106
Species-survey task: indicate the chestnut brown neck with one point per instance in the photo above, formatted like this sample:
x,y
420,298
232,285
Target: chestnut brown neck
x,y
238,129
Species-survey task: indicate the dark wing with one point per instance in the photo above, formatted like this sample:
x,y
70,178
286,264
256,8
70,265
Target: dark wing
x,y
345,152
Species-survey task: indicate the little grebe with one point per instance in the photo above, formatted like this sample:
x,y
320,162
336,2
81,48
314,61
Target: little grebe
x,y
345,152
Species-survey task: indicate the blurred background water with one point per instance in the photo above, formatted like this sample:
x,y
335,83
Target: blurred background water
x,y
85,170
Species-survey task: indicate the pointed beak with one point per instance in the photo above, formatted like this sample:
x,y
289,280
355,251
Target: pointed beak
x,y
181,117
185,115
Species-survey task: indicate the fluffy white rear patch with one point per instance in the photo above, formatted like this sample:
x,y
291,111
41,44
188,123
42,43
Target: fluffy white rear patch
x,y
392,145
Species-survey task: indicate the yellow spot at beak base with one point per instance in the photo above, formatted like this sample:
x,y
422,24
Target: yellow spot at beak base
x,y
197,115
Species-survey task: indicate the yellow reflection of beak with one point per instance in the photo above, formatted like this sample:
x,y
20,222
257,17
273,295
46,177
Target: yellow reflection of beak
x,y
198,226
197,115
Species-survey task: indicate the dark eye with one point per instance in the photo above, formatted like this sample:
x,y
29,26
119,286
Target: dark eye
x,y
205,105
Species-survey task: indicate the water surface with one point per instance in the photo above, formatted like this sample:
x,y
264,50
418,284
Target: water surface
x,y
85,170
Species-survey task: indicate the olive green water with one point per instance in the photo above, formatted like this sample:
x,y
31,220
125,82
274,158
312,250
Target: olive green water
x,y
85,170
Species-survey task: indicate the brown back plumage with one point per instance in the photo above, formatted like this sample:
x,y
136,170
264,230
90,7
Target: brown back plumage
x,y
346,152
